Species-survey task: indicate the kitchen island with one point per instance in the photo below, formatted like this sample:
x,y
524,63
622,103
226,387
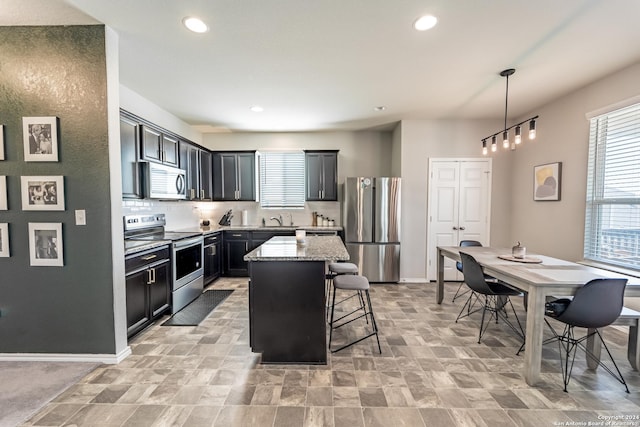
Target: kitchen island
x,y
287,304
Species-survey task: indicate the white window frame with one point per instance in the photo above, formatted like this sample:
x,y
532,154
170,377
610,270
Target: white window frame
x,y
612,220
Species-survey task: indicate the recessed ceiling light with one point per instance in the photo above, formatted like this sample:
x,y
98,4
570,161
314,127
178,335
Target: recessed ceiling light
x,y
195,24
256,109
425,23
380,108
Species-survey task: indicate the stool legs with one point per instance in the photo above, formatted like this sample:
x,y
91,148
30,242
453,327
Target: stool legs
x,y
368,314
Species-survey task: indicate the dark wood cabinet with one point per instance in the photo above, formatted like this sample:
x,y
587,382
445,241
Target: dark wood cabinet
x,y
212,257
159,147
148,287
197,163
130,156
234,176
321,175
236,246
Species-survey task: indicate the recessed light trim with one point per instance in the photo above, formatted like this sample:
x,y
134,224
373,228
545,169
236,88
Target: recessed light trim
x,y
379,108
425,23
195,24
256,109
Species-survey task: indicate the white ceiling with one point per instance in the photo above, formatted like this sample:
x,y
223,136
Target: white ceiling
x,y
325,64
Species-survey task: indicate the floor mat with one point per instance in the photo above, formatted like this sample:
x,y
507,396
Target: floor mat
x,y
199,309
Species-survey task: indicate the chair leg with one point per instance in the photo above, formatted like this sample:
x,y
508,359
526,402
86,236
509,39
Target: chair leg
x,y
373,320
333,307
458,293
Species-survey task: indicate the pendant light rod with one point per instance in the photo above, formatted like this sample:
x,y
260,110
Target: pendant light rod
x,y
506,73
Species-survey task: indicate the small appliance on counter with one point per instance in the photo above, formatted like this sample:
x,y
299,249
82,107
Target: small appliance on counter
x,y
226,218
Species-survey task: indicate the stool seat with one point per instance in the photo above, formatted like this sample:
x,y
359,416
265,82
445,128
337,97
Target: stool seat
x,y
351,282
343,268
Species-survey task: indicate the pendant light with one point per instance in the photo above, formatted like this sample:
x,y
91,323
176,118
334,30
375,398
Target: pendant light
x,y
506,143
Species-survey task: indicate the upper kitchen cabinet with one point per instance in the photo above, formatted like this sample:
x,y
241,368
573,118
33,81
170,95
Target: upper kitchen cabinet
x,y
129,156
159,147
322,175
234,175
197,163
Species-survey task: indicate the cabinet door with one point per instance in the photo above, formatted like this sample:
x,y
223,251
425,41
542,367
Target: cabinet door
x,y
130,154
224,176
170,150
193,174
234,252
330,176
151,145
246,177
137,301
314,176
160,290
206,185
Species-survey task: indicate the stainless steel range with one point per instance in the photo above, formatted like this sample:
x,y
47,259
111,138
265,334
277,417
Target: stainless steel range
x,y
187,255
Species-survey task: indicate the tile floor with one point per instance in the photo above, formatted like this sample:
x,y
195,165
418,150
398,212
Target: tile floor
x,y
431,372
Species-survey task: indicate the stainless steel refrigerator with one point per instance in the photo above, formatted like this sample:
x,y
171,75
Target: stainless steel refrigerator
x,y
372,226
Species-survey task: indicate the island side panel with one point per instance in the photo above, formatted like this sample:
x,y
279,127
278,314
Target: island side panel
x,y
287,319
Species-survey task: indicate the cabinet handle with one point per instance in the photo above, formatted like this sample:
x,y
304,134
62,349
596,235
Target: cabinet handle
x,y
149,280
455,228
319,194
154,275
212,250
147,258
202,194
237,235
462,228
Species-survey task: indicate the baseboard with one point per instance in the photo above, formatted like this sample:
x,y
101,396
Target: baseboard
x,y
413,280
109,359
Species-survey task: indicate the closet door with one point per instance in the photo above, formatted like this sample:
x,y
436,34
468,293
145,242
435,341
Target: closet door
x,y
459,207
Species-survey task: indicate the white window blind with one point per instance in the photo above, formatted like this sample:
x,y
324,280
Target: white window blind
x,y
612,226
282,179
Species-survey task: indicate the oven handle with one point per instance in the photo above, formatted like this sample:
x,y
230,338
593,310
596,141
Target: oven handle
x,y
188,242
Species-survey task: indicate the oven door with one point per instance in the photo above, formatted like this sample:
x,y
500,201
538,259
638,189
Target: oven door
x,y
187,261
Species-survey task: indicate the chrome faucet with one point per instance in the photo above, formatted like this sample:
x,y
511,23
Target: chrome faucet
x,y
279,219
290,219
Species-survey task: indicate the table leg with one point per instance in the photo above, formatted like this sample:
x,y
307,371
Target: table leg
x,y
533,336
594,347
633,345
440,281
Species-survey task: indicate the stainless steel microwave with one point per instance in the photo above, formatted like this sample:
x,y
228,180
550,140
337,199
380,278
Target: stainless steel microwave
x,y
164,182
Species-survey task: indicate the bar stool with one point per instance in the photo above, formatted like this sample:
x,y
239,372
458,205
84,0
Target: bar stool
x,y
336,269
360,284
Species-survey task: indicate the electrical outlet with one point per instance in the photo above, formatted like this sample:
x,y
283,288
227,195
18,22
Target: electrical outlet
x,y
81,217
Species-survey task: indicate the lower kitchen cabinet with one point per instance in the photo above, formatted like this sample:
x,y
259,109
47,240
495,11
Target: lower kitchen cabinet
x,y
236,245
212,257
148,288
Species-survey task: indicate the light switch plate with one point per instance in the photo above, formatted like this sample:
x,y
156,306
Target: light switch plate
x,y
81,217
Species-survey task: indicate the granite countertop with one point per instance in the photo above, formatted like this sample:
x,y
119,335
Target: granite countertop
x,y
135,246
278,228
285,248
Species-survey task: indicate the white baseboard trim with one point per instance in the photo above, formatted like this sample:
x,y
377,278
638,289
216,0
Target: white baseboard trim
x,y
413,280
109,359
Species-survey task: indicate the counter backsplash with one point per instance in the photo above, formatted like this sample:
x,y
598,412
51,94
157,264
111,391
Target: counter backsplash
x,y
184,214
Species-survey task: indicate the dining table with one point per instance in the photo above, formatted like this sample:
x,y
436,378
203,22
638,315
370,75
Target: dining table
x,y
539,276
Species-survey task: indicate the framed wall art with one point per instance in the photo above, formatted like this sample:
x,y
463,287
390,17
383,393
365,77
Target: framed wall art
x,y
42,193
40,139
1,142
45,244
3,193
547,182
4,240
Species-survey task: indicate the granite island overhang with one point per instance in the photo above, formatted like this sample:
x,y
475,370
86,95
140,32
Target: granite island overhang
x,y
287,300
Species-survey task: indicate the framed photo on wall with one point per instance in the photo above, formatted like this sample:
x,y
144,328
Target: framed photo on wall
x,y
1,142
547,181
3,193
40,139
4,240
45,244
42,193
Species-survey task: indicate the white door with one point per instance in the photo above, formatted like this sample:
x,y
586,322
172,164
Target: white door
x,y
459,207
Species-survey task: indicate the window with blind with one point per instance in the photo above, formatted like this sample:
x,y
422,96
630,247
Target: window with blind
x,y
281,179
612,227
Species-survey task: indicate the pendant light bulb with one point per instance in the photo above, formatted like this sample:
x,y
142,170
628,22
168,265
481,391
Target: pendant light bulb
x,y
532,129
518,137
505,139
494,145
484,147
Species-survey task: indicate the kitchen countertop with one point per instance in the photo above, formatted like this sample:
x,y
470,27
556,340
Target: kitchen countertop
x,y
285,248
216,228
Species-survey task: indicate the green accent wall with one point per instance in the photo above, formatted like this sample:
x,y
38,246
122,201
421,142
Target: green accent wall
x,y
58,71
